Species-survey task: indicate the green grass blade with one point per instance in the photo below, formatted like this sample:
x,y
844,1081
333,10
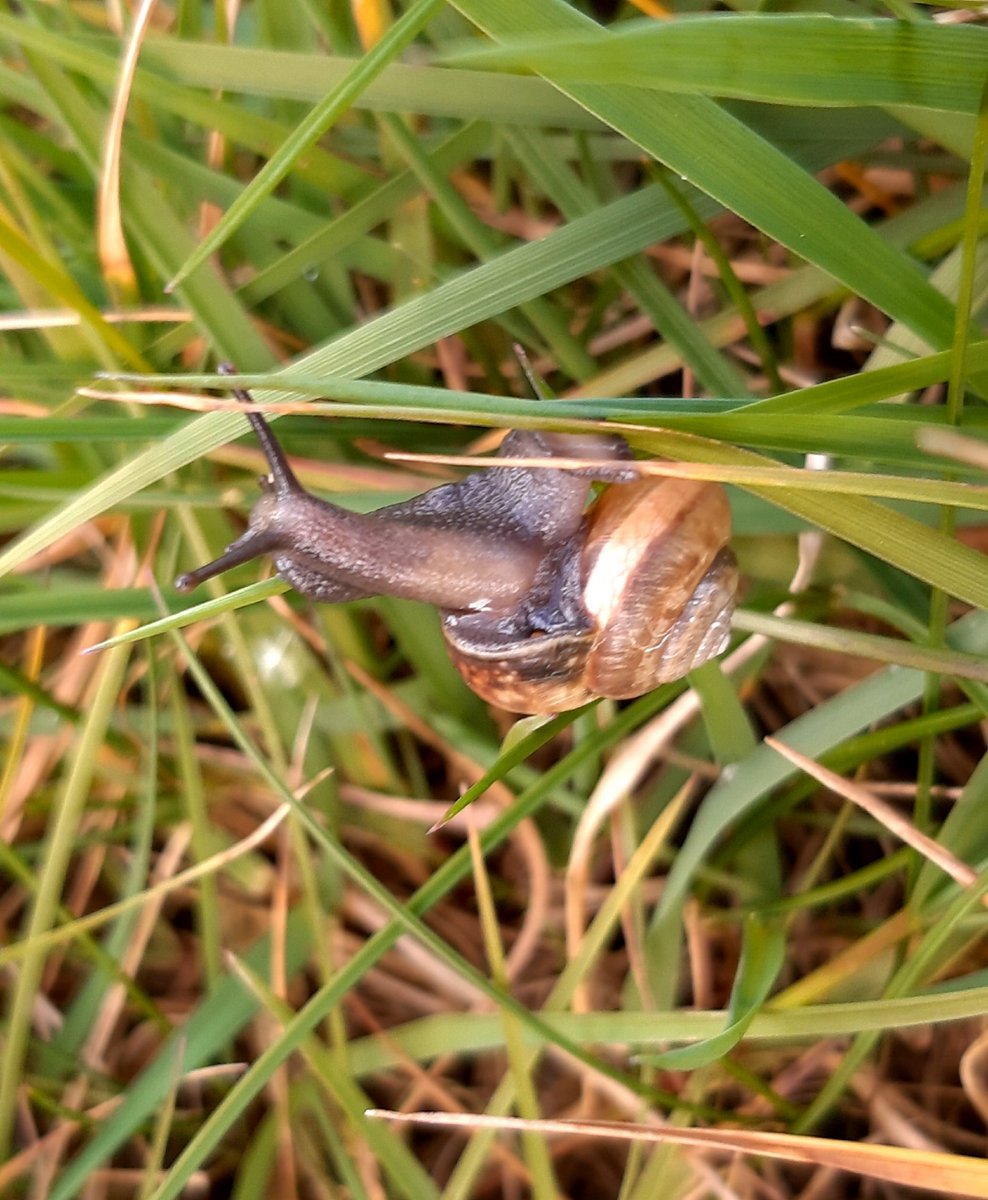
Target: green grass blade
x,y
762,959
783,58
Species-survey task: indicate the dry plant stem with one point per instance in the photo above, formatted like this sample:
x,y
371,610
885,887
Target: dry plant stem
x,y
23,711
114,257
216,142
68,546
534,1156
824,1185
630,914
949,1173
402,983
957,446
890,1119
815,987
279,1085
89,865
974,1074
700,955
442,978
614,1095
533,922
74,676
44,751
12,322
421,812
887,485
631,329
694,293
884,813
18,1165
712,1185
459,764
300,745
453,362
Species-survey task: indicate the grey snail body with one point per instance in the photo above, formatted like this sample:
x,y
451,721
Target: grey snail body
x,y
545,604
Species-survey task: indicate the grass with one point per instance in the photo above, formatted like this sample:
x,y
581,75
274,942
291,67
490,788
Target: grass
x,y
647,936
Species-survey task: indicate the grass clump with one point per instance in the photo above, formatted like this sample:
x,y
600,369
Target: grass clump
x,y
748,241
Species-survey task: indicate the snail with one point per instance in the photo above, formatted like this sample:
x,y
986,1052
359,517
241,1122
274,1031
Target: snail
x,y
545,603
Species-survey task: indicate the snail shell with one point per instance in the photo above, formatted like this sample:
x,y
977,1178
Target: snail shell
x,y
656,584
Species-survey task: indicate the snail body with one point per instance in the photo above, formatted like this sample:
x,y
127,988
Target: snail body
x,y
545,604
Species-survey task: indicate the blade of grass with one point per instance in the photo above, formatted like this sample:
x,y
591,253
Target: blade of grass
x,y
784,58
473,1033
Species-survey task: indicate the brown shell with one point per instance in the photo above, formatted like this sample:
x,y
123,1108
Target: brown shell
x,y
539,675
659,584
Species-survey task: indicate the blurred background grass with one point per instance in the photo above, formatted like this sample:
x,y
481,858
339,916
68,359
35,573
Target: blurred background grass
x,y
742,238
